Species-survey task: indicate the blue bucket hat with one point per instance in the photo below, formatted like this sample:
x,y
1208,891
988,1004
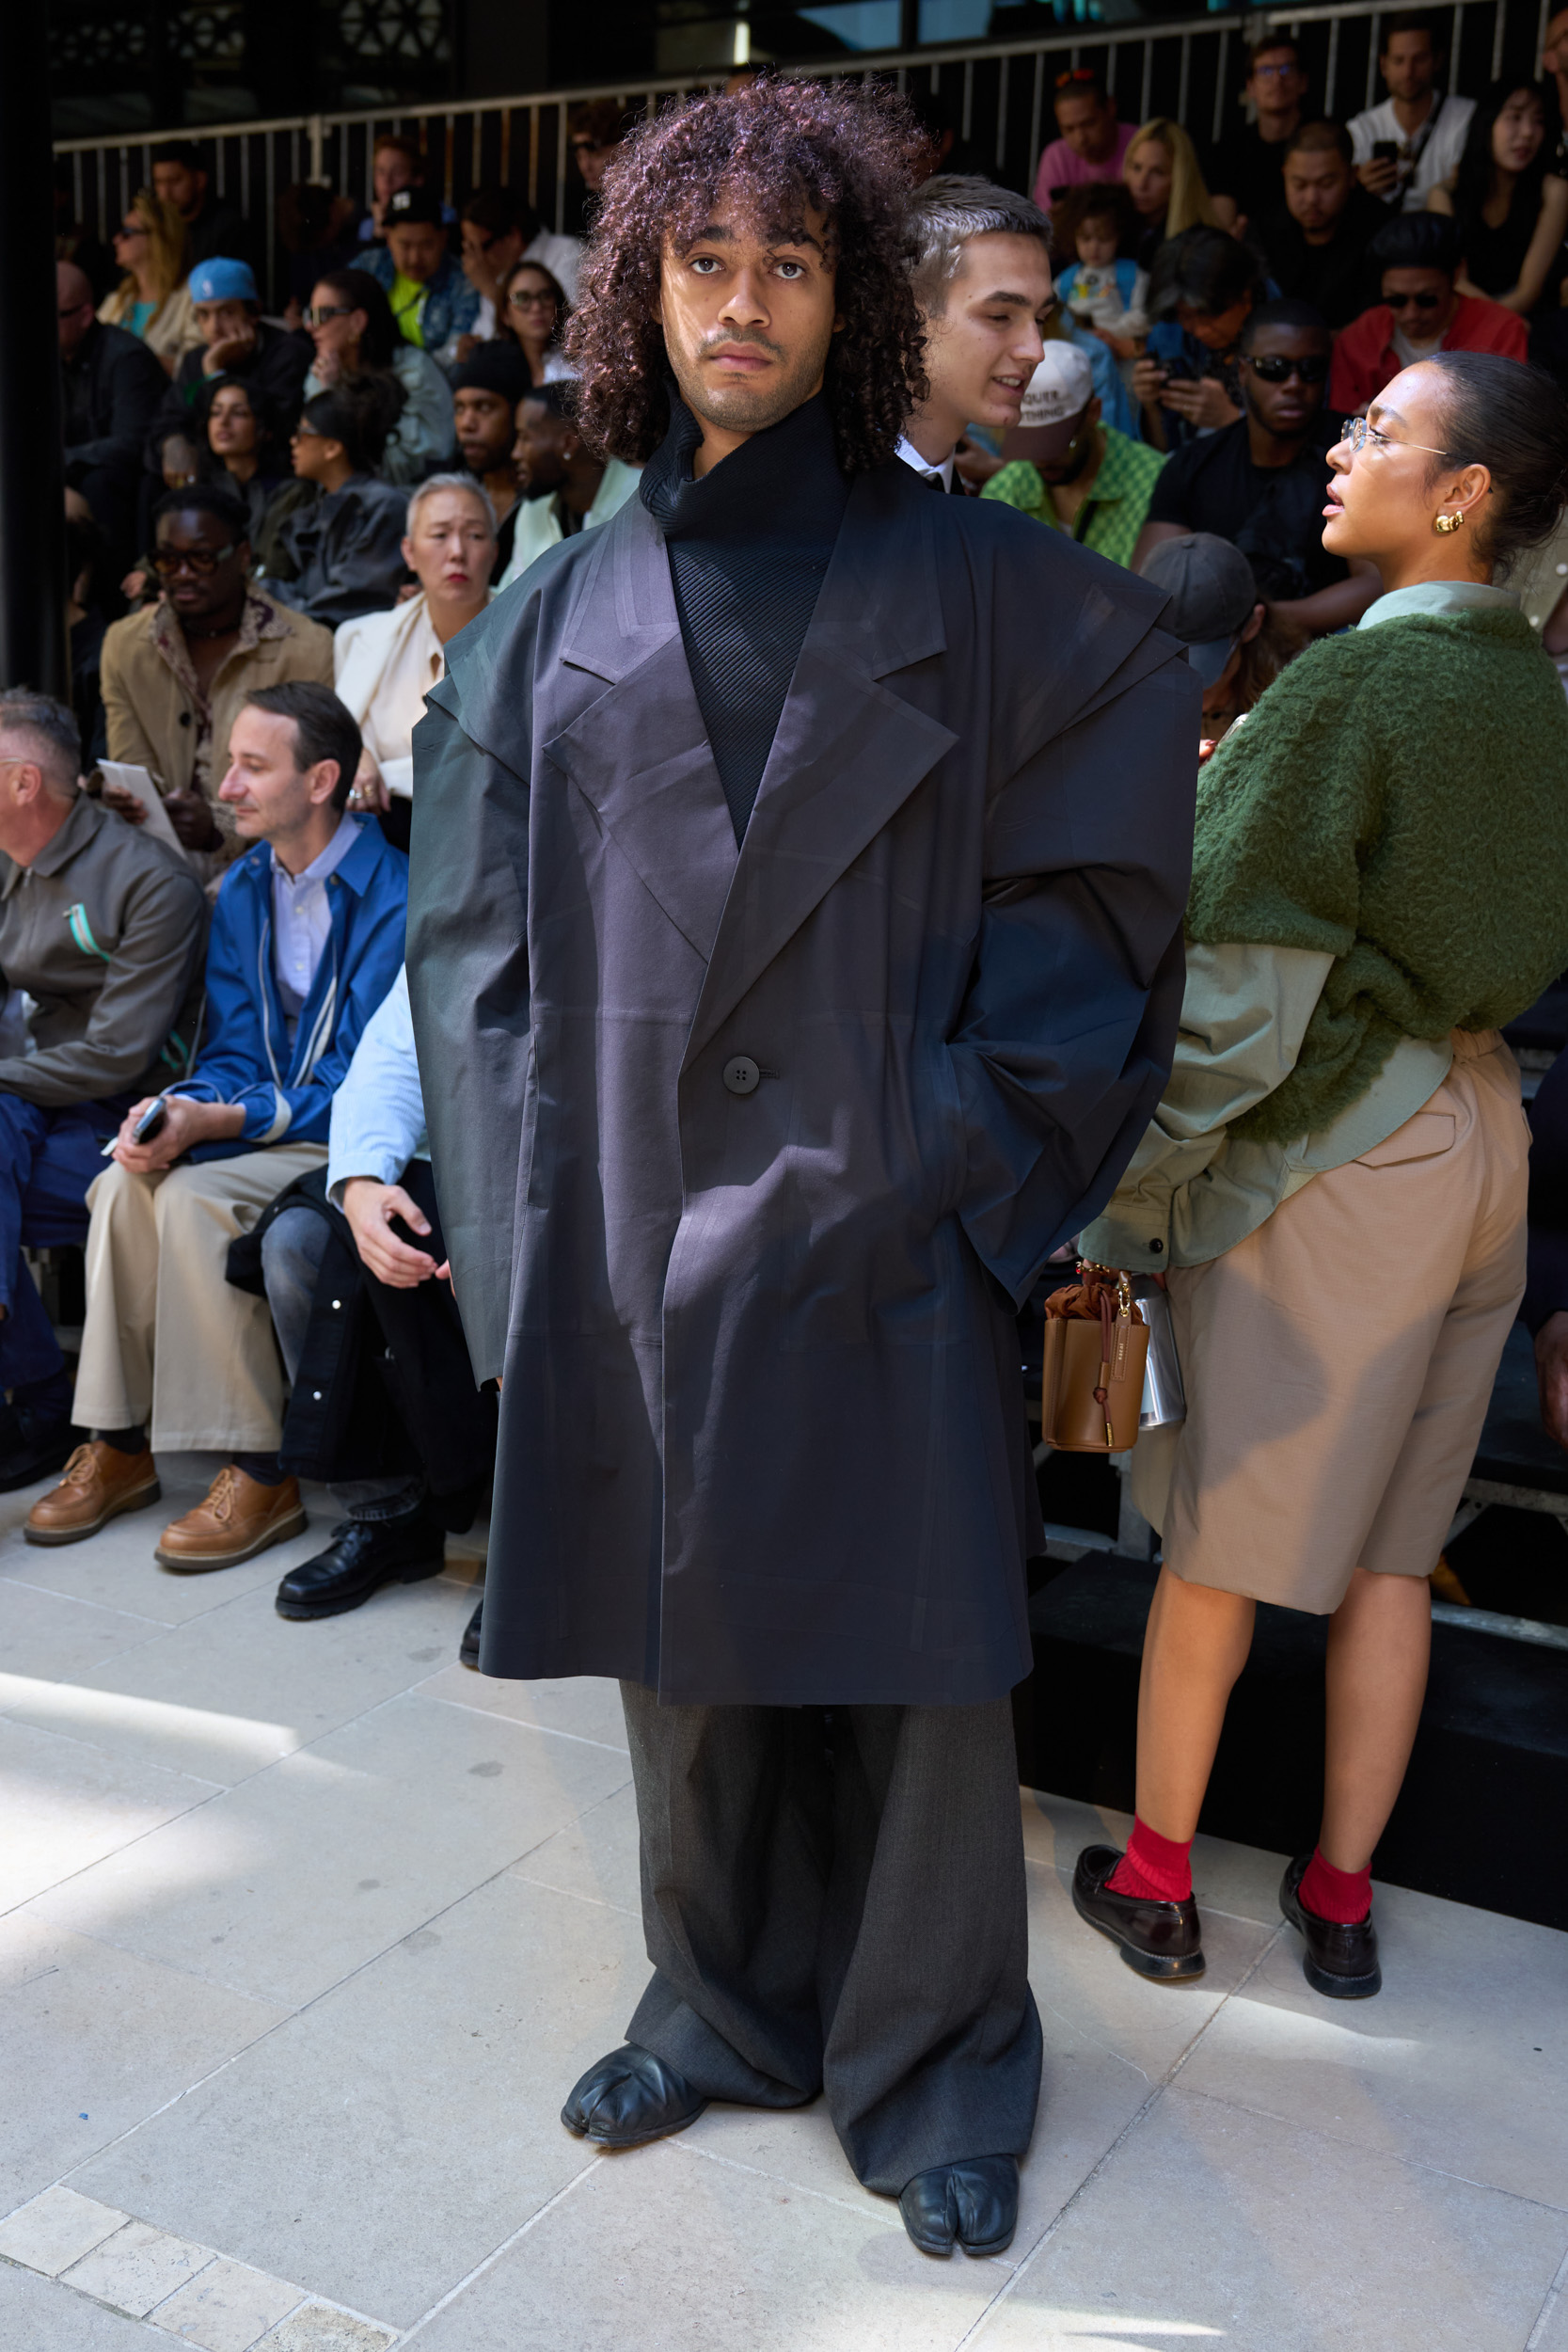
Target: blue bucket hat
x,y
223,281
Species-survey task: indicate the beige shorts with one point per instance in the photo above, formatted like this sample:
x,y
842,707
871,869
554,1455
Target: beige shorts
x,y
1339,1362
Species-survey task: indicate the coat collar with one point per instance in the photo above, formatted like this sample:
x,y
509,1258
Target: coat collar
x,y
846,754
358,867
87,817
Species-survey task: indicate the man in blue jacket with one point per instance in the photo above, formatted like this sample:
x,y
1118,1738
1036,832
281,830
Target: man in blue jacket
x,y
306,939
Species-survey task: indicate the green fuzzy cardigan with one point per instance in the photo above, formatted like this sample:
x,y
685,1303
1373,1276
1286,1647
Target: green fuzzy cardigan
x,y
1399,798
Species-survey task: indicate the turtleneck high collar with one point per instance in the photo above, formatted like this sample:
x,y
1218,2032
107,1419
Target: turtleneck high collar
x,y
749,545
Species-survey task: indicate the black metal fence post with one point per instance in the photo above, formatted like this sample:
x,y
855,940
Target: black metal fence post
x,y
33,647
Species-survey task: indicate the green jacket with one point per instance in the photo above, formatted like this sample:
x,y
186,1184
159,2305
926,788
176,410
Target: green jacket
x,y
1382,857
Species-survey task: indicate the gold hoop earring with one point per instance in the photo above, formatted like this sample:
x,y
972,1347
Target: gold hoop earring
x,y
1446,523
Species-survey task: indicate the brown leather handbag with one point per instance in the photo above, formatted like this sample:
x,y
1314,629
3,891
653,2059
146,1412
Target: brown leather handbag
x,y
1095,1345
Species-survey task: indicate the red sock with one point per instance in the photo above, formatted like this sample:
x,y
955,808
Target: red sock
x,y
1344,1895
1155,1868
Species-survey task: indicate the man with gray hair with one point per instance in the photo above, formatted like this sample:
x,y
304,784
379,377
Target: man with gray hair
x,y
102,929
982,278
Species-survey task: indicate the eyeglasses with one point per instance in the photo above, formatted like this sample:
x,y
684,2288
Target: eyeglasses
x,y
130,229
203,562
1276,73
1415,301
544,301
1359,435
1274,368
322,311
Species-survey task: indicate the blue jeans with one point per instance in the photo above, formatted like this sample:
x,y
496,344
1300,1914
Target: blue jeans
x,y
48,1158
293,1248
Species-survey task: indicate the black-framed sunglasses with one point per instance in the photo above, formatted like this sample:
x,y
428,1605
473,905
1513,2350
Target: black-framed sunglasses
x,y
203,562
320,312
1274,368
1415,301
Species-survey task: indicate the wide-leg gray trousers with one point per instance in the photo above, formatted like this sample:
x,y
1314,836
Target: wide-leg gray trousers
x,y
834,1900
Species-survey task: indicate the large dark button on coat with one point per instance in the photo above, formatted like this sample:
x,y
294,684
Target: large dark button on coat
x,y
742,1074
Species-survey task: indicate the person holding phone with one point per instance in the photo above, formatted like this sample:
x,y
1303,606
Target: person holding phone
x,y
1412,142
307,940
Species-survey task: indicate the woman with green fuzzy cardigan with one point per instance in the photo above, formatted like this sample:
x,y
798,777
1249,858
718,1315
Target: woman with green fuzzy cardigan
x,y
1335,1181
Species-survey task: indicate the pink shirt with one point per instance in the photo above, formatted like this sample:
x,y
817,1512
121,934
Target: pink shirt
x,y
1060,167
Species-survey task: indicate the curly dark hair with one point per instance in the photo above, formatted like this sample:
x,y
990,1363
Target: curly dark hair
x,y
779,147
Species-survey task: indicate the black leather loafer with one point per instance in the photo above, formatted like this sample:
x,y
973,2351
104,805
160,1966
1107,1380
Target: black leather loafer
x,y
1159,1939
1341,1962
363,1555
467,1649
629,2098
973,2204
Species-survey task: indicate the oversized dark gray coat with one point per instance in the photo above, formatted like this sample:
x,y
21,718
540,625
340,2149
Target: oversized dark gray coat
x,y
762,1433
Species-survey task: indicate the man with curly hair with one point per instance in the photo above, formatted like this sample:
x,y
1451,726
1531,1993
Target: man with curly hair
x,y
795,955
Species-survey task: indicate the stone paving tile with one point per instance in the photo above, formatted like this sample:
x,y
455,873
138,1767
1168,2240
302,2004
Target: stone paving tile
x,y
228,2307
1460,2062
1211,2224
137,2267
382,2143
322,2328
653,2252
54,1635
585,1706
40,2315
423,1801
53,2230
596,1858
92,2039
116,1567
235,1689
66,1805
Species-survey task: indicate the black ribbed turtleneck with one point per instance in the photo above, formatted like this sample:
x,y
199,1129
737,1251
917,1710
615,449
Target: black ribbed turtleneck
x,y
749,545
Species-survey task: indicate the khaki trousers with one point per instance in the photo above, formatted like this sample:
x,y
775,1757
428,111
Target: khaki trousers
x,y
167,1337
1338,1362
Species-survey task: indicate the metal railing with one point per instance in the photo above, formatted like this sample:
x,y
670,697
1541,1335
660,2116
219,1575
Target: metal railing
x,y
1190,70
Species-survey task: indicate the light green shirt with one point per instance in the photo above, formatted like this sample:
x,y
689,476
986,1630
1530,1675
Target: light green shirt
x,y
1193,1190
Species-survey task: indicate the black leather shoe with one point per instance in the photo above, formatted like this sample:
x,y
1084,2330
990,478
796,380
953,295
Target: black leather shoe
x,y
973,2204
363,1555
629,2098
1159,1939
1338,1961
33,1447
467,1649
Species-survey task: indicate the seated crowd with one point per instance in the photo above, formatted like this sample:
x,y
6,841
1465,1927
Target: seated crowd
x,y
277,526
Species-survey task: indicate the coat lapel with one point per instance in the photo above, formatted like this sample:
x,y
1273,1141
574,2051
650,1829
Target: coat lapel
x,y
847,753
640,754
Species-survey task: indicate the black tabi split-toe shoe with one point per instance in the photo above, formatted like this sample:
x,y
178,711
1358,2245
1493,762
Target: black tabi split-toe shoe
x,y
629,2098
973,2204
1341,1962
1160,1940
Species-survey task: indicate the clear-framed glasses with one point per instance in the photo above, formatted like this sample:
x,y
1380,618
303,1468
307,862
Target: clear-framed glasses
x,y
1359,435
1276,73
319,314
521,300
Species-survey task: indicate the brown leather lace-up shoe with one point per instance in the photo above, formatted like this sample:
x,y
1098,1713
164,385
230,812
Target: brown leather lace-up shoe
x,y
99,1482
239,1518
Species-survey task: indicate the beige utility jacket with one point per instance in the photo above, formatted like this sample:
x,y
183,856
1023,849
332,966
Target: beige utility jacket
x,y
158,716
106,930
